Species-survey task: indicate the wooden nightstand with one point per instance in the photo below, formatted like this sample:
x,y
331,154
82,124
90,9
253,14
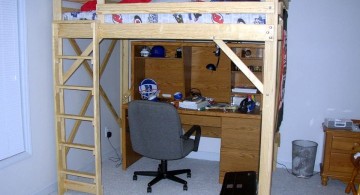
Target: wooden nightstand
x,y
337,153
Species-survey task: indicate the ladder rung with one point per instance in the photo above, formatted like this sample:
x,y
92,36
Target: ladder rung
x,y
79,146
72,87
76,117
79,174
76,57
80,186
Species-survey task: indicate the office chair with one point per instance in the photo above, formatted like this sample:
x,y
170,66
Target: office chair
x,y
156,133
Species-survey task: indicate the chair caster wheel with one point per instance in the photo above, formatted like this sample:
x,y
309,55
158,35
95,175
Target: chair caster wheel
x,y
185,188
135,177
148,189
188,175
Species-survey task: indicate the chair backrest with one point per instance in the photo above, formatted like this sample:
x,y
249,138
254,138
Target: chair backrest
x,y
155,130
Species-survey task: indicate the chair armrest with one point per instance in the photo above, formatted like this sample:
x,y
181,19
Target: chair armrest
x,y
197,130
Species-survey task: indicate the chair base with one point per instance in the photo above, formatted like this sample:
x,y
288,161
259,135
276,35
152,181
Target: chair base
x,y
163,173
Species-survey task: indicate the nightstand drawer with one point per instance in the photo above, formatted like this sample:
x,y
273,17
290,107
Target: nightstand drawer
x,y
340,162
344,143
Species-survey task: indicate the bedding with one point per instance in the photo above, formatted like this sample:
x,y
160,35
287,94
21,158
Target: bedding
x,y
205,18
171,18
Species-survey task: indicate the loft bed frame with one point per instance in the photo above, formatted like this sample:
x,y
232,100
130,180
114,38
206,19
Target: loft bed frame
x,y
97,30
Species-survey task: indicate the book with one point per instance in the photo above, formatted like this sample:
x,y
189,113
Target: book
x,y
193,105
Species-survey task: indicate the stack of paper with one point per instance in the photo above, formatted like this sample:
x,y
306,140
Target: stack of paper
x,y
244,90
193,105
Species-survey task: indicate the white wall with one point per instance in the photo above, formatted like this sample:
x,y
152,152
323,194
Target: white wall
x,y
37,174
323,72
39,170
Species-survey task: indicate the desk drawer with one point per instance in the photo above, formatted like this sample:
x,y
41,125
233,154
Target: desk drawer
x,y
207,131
210,121
240,133
232,159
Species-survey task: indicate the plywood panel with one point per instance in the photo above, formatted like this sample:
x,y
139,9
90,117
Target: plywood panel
x,y
167,72
214,84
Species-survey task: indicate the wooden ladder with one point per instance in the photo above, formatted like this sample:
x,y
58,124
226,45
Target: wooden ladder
x,y
69,179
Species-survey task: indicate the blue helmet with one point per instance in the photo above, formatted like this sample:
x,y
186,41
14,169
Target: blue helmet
x,y
158,51
147,88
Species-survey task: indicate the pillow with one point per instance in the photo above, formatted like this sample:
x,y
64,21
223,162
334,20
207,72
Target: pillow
x,y
89,6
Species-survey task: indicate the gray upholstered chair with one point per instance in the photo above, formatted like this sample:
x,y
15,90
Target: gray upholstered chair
x,y
156,133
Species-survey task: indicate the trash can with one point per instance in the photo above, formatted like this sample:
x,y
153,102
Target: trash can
x,y
303,158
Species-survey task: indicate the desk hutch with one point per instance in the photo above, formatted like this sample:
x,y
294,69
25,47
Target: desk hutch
x,y
88,58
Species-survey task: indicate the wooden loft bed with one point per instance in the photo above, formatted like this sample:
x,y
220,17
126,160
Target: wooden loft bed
x,y
97,30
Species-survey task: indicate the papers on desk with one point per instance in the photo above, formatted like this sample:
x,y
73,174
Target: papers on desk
x,y
244,90
194,105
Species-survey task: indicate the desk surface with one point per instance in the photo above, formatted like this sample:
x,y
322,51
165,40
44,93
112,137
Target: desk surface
x,y
216,112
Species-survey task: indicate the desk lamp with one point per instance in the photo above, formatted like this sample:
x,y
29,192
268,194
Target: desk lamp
x,y
213,67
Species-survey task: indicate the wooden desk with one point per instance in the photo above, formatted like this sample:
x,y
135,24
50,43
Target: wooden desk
x,y
239,133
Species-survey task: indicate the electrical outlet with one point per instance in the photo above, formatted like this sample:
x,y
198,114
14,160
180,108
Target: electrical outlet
x,y
107,132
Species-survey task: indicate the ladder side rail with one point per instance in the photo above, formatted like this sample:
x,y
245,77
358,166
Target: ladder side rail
x,y
96,98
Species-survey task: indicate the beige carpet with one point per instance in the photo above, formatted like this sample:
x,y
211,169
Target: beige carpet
x,y
204,180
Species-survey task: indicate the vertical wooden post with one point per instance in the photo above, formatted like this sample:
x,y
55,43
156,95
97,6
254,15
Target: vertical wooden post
x,y
59,108
268,105
57,9
96,95
125,71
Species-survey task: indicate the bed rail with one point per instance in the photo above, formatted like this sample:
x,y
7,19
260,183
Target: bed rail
x,y
186,7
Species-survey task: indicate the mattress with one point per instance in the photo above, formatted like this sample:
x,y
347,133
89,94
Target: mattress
x,y
171,18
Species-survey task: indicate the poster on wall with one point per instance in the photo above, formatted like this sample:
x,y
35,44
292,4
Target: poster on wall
x,y
282,75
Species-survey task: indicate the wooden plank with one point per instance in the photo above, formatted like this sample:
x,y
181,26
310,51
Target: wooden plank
x,y
57,10
248,32
80,30
250,75
125,92
79,174
186,7
268,107
73,87
80,186
76,117
68,9
75,57
78,146
60,153
96,104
